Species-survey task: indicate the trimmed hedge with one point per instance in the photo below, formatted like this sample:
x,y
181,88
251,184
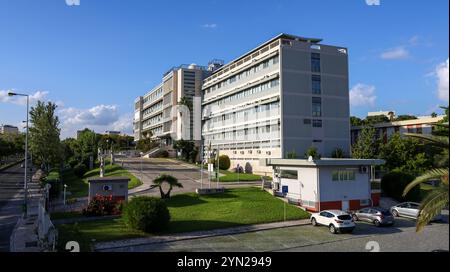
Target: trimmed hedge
x,y
394,182
147,214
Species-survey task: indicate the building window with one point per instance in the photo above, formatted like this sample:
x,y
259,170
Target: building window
x,y
316,107
315,62
343,175
316,84
307,121
317,123
289,174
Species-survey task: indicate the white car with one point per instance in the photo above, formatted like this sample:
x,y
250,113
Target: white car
x,y
335,220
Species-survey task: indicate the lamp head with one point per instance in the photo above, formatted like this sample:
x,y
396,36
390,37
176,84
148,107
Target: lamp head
x,y
11,94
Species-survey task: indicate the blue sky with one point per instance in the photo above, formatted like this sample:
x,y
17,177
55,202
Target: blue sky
x,y
96,58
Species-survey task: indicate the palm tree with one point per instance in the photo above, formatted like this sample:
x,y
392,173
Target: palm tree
x,y
437,198
172,181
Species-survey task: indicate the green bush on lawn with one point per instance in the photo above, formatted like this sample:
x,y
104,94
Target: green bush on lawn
x,y
146,214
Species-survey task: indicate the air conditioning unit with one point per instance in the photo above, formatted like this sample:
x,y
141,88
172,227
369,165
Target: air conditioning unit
x,y
364,169
107,188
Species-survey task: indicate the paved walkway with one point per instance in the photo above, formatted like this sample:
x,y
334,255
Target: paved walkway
x,y
189,175
128,245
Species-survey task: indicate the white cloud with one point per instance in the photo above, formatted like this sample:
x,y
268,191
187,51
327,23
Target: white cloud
x,y
209,25
362,95
22,100
98,118
395,53
442,77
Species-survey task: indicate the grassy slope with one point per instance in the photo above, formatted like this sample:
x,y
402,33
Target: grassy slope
x,y
190,212
79,187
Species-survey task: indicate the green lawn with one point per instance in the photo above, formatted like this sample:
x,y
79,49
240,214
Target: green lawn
x,y
190,212
79,187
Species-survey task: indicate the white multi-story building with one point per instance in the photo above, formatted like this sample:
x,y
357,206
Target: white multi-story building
x,y
158,114
9,129
284,96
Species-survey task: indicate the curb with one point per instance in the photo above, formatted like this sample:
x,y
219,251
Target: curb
x,y
209,233
12,243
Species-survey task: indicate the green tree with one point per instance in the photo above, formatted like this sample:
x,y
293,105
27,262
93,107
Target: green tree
x,y
185,147
437,198
170,180
186,101
377,119
338,153
44,135
355,121
292,155
406,154
88,145
405,117
313,152
367,144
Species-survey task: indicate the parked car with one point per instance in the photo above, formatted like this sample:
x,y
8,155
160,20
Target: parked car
x,y
335,220
410,210
377,216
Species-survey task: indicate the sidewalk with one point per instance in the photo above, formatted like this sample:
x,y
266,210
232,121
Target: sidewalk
x,y
105,246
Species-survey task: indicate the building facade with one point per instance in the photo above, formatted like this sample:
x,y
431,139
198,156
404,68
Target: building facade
x,y
284,96
421,125
317,185
159,115
9,129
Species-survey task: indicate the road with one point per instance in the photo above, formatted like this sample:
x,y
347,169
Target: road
x,y
399,238
11,200
188,175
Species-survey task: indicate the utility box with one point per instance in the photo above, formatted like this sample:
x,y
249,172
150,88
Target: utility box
x,y
117,187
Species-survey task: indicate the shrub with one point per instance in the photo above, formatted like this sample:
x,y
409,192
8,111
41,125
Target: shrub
x,y
79,170
248,168
393,184
238,169
224,162
102,205
312,152
147,214
338,153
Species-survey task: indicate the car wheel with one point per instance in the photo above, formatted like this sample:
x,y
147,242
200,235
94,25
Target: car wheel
x,y
395,213
376,223
314,222
332,229
355,217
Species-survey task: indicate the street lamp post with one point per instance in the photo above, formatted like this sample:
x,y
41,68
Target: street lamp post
x,y
26,153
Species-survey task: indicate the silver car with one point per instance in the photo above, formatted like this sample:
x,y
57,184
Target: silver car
x,y
374,215
409,209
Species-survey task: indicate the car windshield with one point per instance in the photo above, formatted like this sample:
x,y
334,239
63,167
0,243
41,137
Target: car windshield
x,y
344,217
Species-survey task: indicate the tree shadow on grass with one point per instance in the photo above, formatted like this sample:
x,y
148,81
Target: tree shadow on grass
x,y
184,200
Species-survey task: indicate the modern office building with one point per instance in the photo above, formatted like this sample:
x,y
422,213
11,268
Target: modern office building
x,y
284,96
9,129
158,113
421,125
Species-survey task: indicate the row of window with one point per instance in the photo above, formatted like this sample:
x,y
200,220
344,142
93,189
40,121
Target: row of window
x,y
244,74
246,133
152,109
244,115
343,175
152,121
247,92
153,96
